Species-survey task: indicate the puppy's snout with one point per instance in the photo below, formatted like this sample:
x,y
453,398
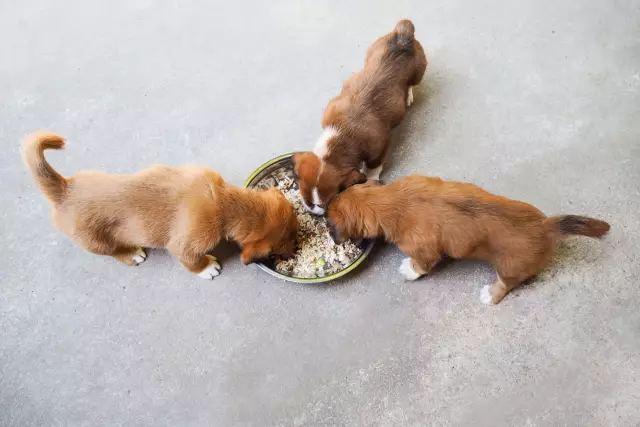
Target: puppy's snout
x,y
319,209
286,257
316,209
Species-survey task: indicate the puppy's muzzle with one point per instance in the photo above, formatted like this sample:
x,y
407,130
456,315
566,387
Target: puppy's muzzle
x,y
318,210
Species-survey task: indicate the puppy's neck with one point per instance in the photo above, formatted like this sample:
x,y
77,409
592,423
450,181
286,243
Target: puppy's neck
x,y
244,212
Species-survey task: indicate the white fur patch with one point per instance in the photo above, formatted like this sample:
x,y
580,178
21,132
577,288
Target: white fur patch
x,y
406,269
140,257
211,271
316,210
485,296
373,173
321,148
410,96
316,197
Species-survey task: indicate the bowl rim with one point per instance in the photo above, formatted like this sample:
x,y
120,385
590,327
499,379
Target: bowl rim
x,y
323,279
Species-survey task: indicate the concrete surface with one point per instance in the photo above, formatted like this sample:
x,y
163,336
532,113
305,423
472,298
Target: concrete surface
x,y
538,100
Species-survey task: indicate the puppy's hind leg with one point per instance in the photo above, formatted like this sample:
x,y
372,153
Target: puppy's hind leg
x,y
494,293
409,97
516,267
102,243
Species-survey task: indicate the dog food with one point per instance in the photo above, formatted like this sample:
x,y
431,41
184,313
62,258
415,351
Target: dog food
x,y
317,254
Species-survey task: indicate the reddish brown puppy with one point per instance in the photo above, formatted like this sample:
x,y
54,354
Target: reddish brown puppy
x,y
187,210
357,123
428,218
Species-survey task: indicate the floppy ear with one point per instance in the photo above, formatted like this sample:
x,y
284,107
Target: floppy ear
x,y
295,161
354,177
304,163
335,232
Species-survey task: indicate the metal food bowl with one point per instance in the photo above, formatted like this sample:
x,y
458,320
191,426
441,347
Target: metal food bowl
x,y
267,176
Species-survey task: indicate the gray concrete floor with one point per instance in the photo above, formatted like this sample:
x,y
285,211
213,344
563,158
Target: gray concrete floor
x,y
538,100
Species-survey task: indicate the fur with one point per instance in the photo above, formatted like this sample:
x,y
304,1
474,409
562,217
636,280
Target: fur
x,y
187,210
428,218
360,119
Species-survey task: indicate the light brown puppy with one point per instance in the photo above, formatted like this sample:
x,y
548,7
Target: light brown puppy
x,y
428,218
187,210
357,123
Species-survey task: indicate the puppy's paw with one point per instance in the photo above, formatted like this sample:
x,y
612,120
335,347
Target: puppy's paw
x,y
406,269
485,296
139,257
373,173
212,270
410,96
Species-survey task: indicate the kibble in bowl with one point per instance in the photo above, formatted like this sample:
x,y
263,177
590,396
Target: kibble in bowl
x,y
318,259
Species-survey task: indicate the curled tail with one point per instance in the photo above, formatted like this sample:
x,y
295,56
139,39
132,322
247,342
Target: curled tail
x,y
51,183
401,43
404,32
567,225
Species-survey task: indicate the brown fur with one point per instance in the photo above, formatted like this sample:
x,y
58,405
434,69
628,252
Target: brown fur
x,y
429,217
372,103
187,210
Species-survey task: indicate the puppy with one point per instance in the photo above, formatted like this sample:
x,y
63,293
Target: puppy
x,y
428,218
357,123
187,210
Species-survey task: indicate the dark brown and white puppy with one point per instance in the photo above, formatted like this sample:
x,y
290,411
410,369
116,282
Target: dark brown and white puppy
x,y
358,122
428,218
187,210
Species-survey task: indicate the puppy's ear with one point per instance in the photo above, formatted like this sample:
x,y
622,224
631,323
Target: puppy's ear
x,y
305,163
296,159
250,254
334,231
354,177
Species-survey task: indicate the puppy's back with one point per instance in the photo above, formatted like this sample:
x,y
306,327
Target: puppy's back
x,y
144,207
459,206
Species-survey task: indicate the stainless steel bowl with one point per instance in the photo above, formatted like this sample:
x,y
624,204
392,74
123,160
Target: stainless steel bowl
x,y
268,175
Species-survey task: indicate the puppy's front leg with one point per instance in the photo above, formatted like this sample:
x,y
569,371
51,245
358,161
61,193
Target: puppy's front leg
x,y
412,269
131,257
420,263
205,266
373,167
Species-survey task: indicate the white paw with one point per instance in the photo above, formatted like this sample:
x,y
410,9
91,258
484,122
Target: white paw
x,y
139,257
374,173
211,271
407,270
410,96
485,296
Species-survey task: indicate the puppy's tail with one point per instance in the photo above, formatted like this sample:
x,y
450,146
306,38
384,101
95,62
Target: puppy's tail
x,y
570,225
401,41
404,32
51,183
